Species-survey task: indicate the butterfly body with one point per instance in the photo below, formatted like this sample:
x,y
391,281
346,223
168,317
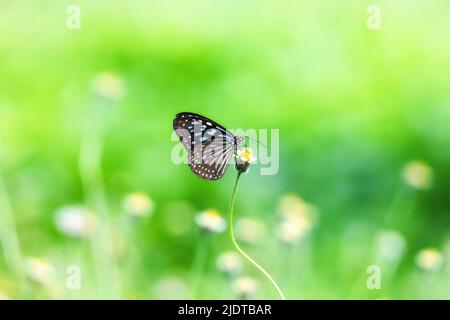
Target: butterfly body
x,y
210,146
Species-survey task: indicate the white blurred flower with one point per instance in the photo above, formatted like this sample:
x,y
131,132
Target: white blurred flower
x,y
429,259
171,288
230,263
108,85
40,270
244,159
246,155
210,220
290,233
418,174
75,221
293,205
246,287
297,219
138,204
250,230
390,245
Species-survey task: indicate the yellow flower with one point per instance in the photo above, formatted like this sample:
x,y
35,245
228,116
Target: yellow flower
x,y
246,155
138,204
429,259
243,159
418,174
211,220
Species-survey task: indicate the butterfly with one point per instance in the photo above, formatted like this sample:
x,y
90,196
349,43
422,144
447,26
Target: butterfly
x,y
209,145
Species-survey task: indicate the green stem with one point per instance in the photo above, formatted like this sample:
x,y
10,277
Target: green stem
x,y
9,239
92,181
246,256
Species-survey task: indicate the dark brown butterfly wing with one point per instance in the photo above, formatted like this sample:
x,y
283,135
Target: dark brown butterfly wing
x,y
210,146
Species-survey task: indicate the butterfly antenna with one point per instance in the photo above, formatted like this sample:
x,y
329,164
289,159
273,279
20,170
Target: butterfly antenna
x,y
257,141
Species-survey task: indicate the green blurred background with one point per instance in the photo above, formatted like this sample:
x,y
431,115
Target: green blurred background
x,y
87,185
